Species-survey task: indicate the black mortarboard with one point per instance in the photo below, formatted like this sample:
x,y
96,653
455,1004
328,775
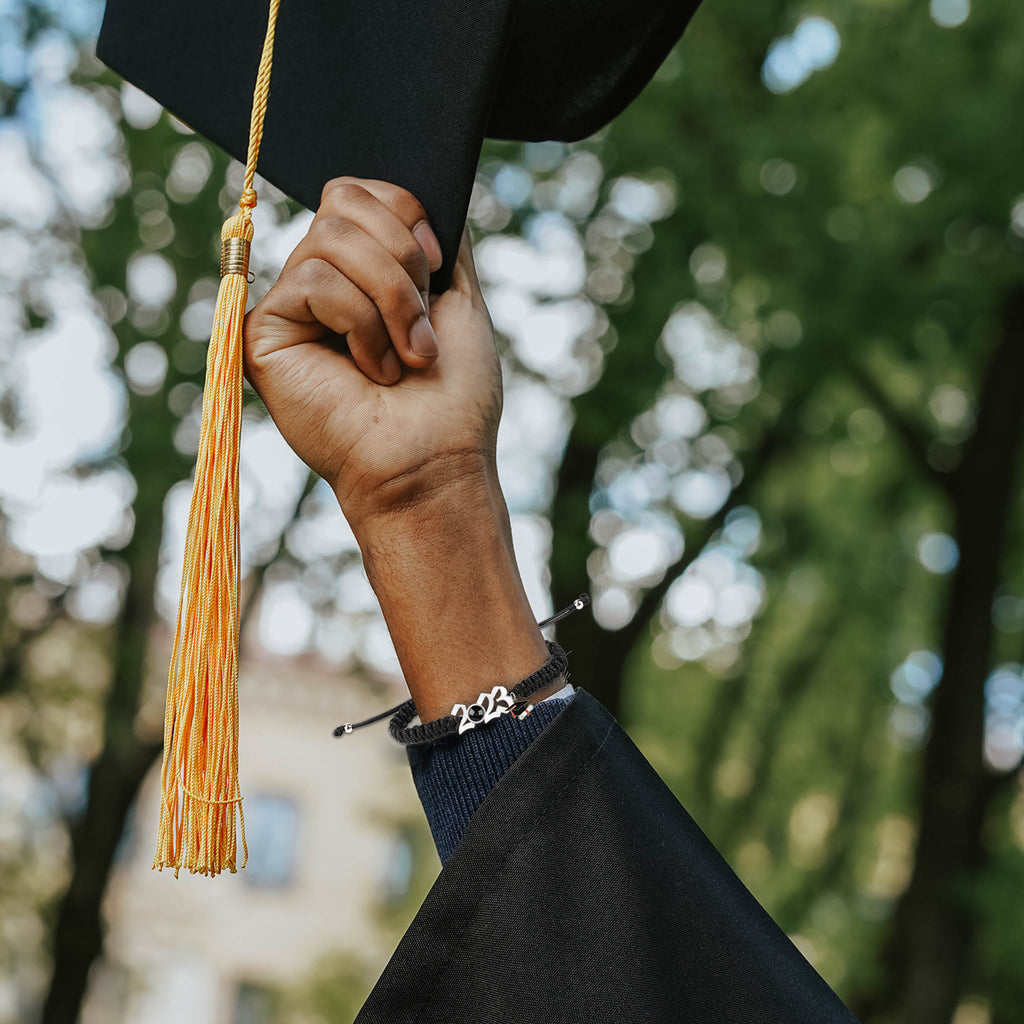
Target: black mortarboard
x,y
398,90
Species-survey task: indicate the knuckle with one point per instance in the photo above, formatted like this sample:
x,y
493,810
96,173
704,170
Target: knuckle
x,y
311,275
344,189
412,257
408,207
397,299
328,190
401,202
365,317
333,229
393,312
258,342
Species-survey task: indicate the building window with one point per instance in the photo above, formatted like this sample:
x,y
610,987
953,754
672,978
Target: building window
x,y
396,871
254,1004
271,824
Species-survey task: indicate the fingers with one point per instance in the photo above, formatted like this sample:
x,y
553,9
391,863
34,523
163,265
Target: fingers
x,y
373,268
389,213
408,210
377,236
313,296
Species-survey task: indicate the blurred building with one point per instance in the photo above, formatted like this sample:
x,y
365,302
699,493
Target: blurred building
x,y
331,826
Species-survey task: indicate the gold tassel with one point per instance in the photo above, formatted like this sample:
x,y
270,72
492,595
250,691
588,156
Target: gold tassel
x,y
199,774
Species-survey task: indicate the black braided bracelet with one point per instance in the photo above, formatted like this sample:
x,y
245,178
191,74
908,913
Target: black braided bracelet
x,y
488,706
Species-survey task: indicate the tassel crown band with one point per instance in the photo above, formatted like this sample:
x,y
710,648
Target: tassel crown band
x,y
234,256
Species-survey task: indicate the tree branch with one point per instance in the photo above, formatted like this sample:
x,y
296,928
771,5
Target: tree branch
x,y
914,441
770,446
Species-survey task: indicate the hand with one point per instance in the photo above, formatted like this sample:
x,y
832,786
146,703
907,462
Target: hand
x,y
407,439
360,272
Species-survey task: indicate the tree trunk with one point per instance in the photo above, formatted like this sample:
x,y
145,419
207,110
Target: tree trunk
x,y
114,780
118,770
933,927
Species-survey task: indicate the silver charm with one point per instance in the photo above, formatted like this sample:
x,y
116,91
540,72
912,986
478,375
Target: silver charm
x,y
488,706
521,709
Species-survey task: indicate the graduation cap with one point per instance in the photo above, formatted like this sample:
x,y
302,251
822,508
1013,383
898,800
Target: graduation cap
x,y
397,90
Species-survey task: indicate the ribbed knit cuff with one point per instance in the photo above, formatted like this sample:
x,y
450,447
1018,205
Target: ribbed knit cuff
x,y
453,776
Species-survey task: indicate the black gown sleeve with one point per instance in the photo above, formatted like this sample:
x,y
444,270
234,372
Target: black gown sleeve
x,y
454,776
582,892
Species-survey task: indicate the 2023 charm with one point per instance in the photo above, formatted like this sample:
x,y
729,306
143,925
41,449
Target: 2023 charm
x,y
489,706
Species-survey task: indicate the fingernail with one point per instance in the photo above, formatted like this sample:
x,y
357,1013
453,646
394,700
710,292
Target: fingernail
x,y
425,299
390,367
422,339
428,242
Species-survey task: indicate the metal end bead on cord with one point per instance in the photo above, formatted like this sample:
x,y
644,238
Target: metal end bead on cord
x,y
234,257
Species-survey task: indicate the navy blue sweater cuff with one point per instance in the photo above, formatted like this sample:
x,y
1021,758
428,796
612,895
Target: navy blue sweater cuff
x,y
453,776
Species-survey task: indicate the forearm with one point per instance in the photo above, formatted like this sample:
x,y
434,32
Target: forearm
x,y
445,574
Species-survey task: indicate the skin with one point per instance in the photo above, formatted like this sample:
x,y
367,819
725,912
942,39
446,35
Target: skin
x,y
400,416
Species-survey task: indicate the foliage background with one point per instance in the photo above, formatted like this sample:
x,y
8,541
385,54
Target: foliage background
x,y
763,341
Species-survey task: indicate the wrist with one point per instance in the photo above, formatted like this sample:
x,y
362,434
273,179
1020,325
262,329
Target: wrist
x,y
445,574
417,497
462,513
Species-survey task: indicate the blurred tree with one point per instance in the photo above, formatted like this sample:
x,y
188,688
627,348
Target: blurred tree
x,y
150,228
839,223
776,314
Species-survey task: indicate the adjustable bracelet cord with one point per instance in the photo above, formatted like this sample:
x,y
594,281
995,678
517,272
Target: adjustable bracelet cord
x,y
406,711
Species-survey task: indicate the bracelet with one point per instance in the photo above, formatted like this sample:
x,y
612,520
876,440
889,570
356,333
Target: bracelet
x,y
488,706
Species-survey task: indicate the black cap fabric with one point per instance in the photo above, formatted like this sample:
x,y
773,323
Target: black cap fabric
x,y
398,90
